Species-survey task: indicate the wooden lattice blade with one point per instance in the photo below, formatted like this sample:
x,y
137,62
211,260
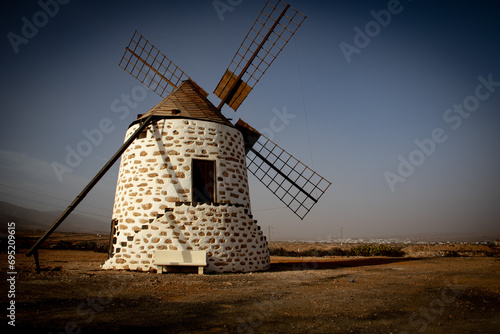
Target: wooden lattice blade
x,y
148,65
271,31
295,184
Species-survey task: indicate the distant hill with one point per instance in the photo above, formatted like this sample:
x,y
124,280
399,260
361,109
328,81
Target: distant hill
x,y
29,219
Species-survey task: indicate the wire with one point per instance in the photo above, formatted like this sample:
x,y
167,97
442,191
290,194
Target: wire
x,y
44,195
51,205
268,209
303,102
304,105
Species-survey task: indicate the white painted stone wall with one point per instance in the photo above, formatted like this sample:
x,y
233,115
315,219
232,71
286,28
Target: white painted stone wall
x,y
153,207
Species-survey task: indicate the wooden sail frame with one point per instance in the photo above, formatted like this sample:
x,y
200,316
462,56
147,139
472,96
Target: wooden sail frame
x,y
271,31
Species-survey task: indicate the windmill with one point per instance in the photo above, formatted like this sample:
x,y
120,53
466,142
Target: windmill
x,y
183,183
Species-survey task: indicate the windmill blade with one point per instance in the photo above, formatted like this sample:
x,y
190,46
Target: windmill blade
x,y
295,184
148,65
275,25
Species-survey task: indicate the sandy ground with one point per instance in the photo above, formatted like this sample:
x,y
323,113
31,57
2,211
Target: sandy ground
x,y
298,295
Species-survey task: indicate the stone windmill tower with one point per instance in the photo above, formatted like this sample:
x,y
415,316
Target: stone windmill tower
x,y
182,183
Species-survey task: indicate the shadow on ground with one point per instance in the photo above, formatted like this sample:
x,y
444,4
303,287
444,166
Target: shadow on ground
x,y
322,264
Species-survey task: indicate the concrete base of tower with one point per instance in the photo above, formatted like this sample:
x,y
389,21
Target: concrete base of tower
x,y
232,239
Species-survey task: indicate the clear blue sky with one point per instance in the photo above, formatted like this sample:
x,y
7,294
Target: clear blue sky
x,y
360,101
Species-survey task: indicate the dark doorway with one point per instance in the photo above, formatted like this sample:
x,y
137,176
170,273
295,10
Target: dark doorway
x,y
203,181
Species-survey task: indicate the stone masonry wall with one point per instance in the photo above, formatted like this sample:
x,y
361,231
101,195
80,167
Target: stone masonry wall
x,y
153,203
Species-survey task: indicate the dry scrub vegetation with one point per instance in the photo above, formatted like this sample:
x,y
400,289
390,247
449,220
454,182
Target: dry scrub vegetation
x,y
307,249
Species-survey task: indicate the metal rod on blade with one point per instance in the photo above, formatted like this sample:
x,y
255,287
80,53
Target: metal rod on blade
x,y
86,190
282,174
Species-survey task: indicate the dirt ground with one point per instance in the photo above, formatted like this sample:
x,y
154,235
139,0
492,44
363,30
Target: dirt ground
x,y
298,295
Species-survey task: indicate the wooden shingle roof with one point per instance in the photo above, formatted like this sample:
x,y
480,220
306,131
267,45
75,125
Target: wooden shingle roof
x,y
188,101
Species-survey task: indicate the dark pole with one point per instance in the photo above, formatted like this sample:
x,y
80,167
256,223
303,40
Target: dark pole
x,y
86,190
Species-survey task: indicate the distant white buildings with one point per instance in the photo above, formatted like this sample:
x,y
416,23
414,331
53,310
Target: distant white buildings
x,y
402,241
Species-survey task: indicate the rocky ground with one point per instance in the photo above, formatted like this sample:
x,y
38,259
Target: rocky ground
x,y
298,295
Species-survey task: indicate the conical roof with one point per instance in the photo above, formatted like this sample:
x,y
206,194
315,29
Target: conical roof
x,y
188,100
